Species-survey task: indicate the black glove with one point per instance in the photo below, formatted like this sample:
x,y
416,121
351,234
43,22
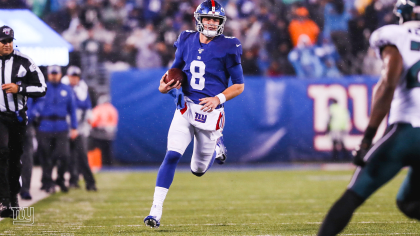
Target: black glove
x,y
364,147
360,152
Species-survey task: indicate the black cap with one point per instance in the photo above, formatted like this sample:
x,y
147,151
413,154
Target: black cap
x,y
6,33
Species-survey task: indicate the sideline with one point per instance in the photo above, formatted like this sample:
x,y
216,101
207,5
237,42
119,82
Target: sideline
x,y
35,191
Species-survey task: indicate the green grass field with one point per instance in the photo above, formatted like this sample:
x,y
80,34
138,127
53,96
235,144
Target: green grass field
x,y
219,203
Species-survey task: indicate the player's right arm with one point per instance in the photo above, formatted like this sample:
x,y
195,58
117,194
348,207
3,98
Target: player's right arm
x,y
381,104
237,74
385,42
178,63
390,75
234,68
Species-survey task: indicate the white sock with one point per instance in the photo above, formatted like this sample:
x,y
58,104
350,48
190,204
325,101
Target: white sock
x,y
159,196
217,150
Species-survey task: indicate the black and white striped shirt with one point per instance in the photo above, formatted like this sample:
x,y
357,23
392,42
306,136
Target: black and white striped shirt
x,y
20,69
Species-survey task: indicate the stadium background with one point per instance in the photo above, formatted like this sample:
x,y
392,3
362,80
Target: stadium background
x,y
124,46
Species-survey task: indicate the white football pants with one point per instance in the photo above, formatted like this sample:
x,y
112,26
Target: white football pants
x,y
180,135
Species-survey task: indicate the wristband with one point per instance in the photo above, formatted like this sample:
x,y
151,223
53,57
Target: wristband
x,y
221,97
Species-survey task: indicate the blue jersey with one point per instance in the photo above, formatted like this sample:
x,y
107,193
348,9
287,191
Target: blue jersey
x,y
59,102
206,65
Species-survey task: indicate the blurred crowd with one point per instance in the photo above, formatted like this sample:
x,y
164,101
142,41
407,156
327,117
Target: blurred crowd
x,y
307,38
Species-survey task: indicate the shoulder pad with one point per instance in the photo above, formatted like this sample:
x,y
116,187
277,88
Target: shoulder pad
x,y
232,42
187,33
387,35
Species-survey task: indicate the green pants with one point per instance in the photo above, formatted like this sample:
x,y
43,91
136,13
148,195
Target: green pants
x,y
399,147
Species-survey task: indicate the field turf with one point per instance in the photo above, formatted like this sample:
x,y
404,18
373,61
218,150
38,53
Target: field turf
x,y
219,203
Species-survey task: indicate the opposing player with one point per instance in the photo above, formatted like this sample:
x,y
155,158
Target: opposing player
x,y
399,94
208,58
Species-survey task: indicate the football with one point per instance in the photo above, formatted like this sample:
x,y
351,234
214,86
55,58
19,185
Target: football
x,y
176,75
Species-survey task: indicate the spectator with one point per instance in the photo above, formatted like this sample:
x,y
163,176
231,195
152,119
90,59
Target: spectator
x,y
60,20
336,28
274,69
338,127
13,4
53,131
250,64
78,147
331,70
113,14
252,33
304,60
358,41
278,43
329,57
90,15
143,40
104,122
303,25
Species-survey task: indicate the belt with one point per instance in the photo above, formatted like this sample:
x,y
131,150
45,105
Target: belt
x,y
53,118
8,113
220,106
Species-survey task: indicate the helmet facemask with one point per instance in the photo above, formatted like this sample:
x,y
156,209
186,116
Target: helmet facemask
x,y
202,27
407,10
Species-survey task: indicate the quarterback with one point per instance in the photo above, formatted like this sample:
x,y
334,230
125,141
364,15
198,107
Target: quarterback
x,y
209,59
399,94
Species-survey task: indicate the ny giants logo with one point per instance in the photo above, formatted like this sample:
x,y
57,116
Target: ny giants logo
x,y
357,96
200,118
6,31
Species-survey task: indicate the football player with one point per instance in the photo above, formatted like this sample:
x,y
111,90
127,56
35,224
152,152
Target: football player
x,y
208,58
399,94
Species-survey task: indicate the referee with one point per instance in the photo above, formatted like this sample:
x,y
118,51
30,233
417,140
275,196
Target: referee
x,y
20,78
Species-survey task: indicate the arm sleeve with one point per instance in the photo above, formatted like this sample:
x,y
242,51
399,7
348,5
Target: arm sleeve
x,y
236,74
29,105
233,57
72,110
178,62
34,85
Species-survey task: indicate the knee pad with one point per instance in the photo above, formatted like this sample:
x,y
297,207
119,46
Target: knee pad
x,y
198,174
410,208
4,155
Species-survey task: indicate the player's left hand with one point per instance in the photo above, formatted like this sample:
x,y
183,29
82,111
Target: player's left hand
x,y
209,103
10,88
360,152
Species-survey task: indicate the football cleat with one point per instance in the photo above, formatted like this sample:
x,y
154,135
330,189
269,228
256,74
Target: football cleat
x,y
221,152
152,222
153,219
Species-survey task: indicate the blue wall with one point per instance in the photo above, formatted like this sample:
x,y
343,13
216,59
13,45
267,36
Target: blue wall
x,y
272,120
